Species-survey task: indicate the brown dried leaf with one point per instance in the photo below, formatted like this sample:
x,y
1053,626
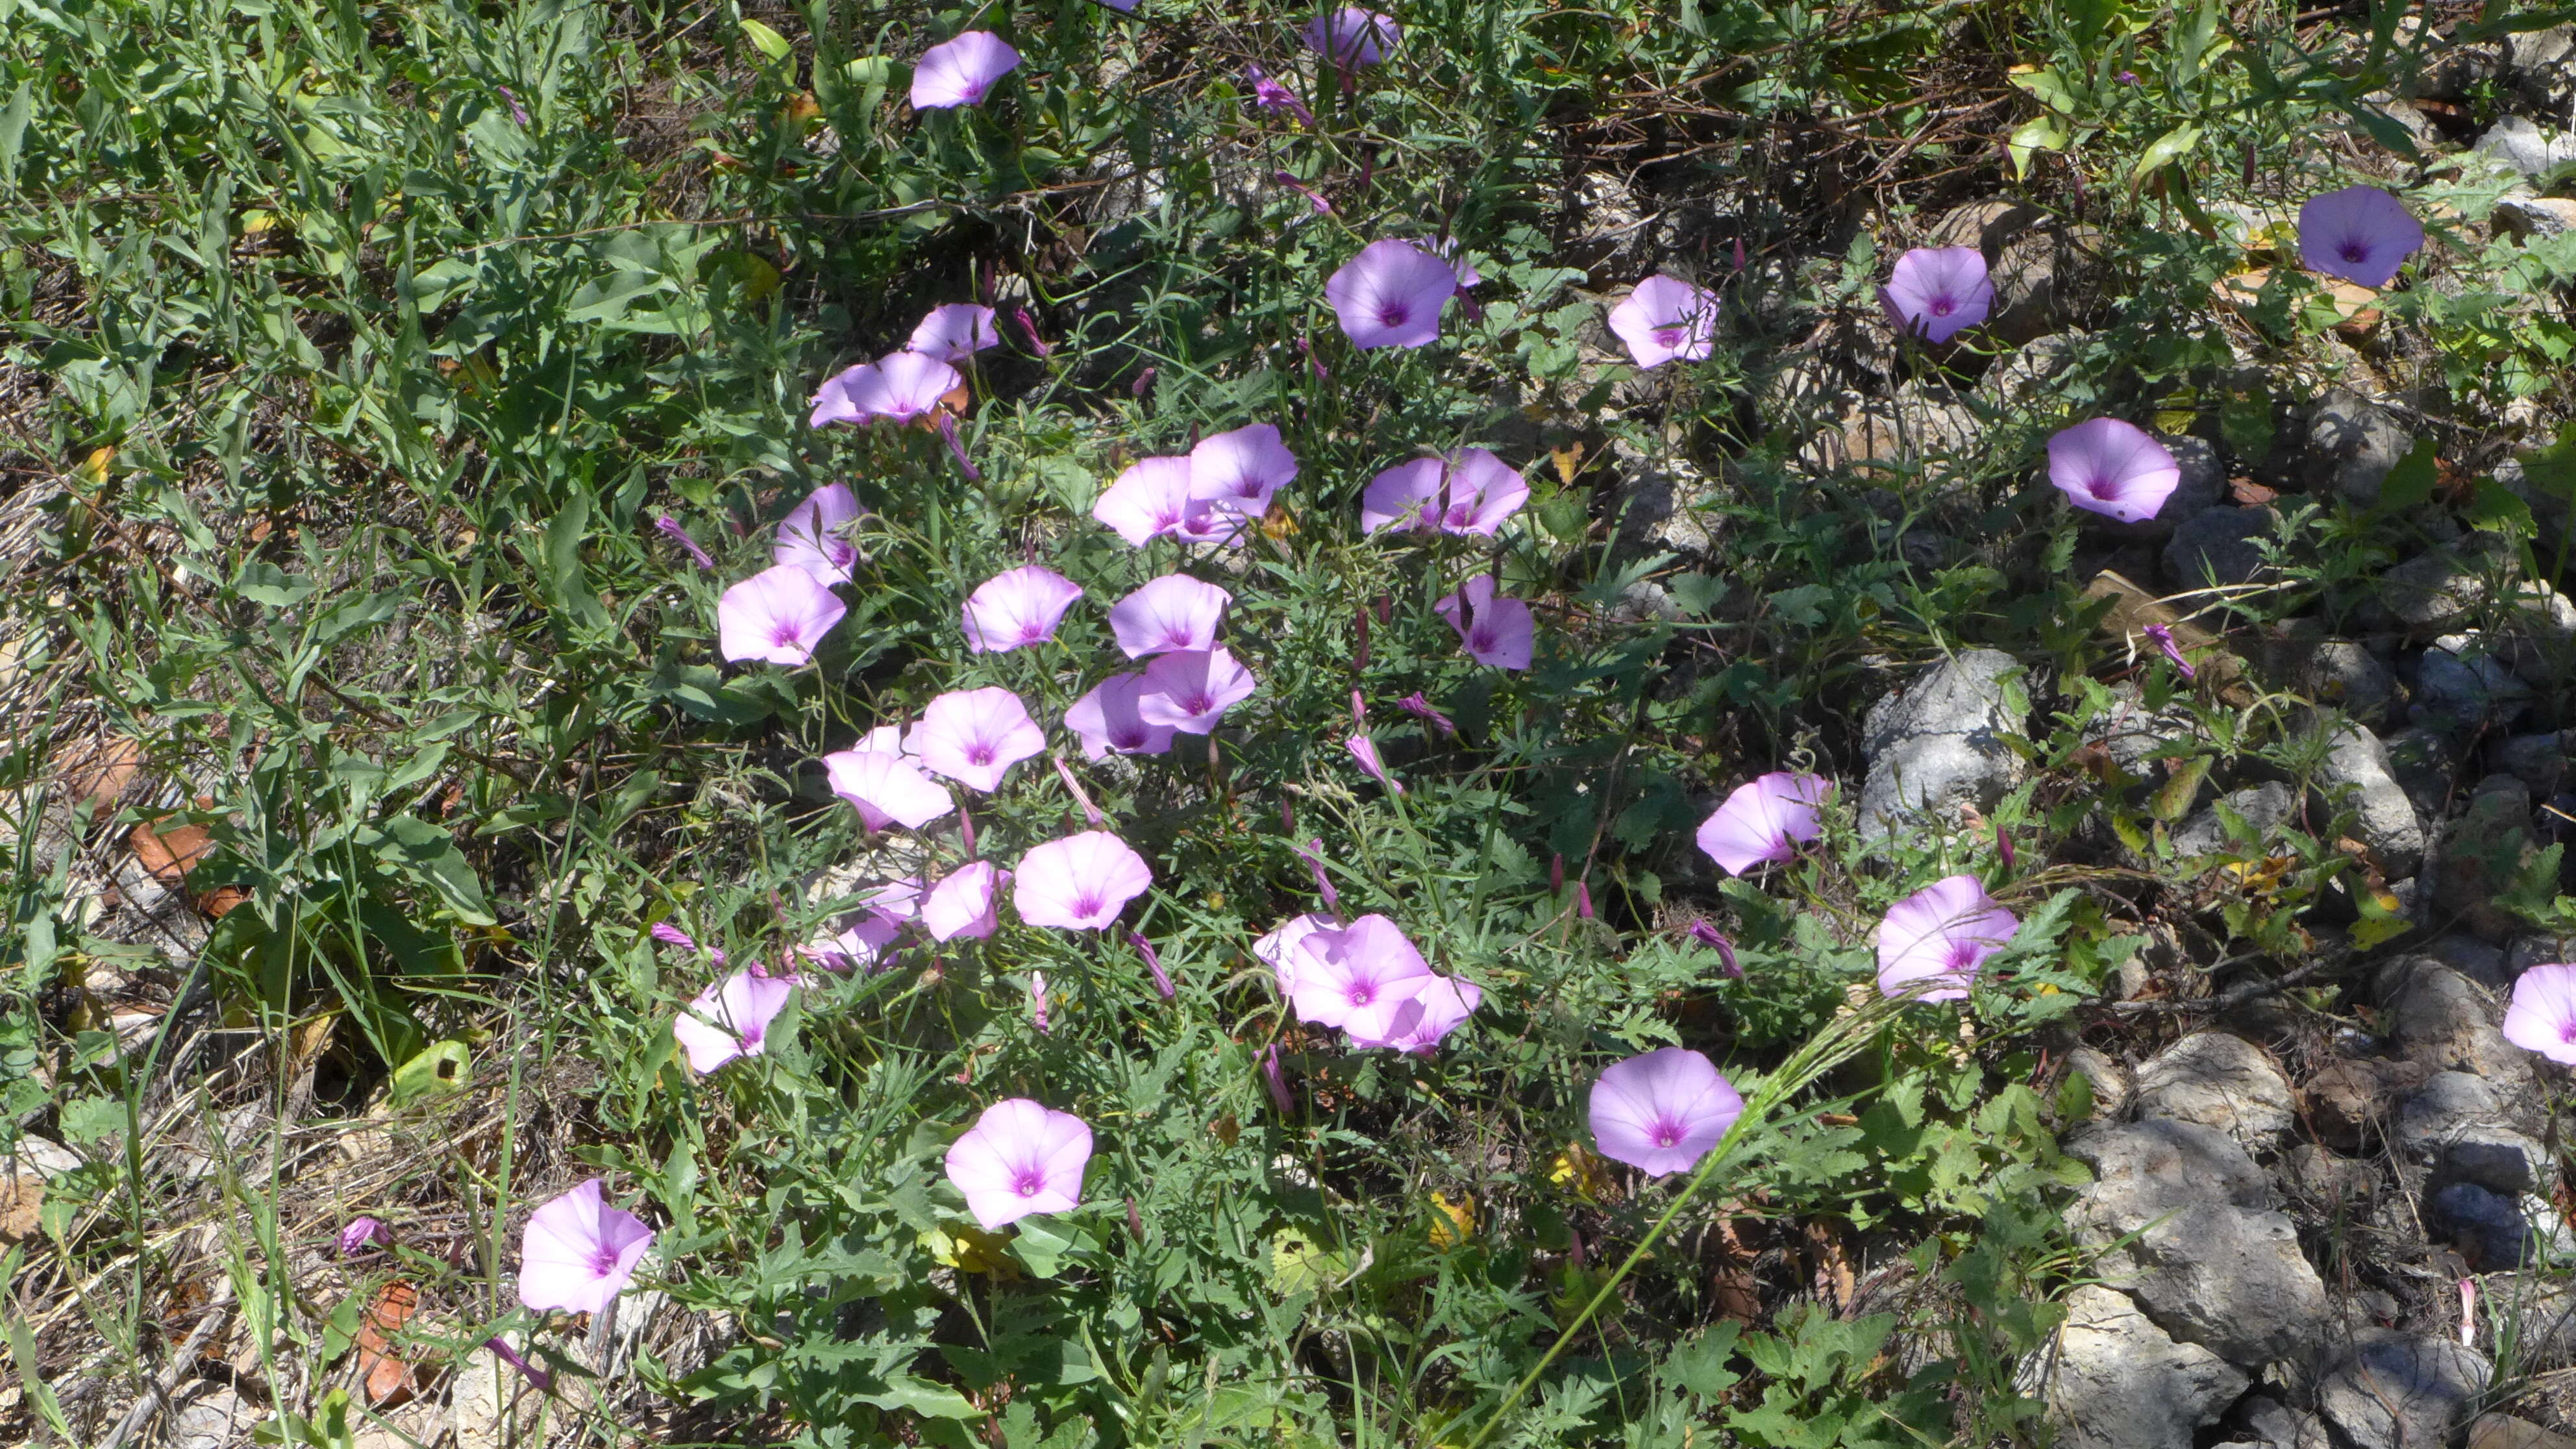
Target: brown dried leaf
x,y
388,1376
2250,494
169,851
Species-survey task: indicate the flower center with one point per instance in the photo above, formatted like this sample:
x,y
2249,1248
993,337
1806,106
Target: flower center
x,y
1943,306
1086,906
2103,488
1393,314
1963,954
1129,738
1199,703
2567,1033
2354,251
979,753
603,1261
1362,993
1028,1182
783,632
1668,1133
1668,337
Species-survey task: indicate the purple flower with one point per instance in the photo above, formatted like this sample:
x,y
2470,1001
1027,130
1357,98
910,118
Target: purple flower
x,y
1390,295
1016,609
965,902
777,615
1153,963
1364,750
1172,612
1707,935
1941,934
361,1234
1029,329
1358,977
2112,468
1038,1001
1414,704
1440,1007
1666,319
1663,1111
883,786
2163,639
1241,469
1074,788
958,72
1278,950
1151,498
1276,1081
579,1253
897,387
518,113
1765,821
1270,95
1938,292
1351,36
1191,689
731,1018
503,1350
814,536
954,331
1312,852
1314,198
1469,491
671,526
2361,234
974,736
2542,1017
1079,883
670,935
1499,631
1020,1158
1108,722
857,946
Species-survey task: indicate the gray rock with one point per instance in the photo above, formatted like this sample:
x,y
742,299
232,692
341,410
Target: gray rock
x,y
1940,743
2266,808
2473,958
2485,1228
2538,68
2462,684
2538,761
2533,218
2402,1391
2529,149
2351,1100
2218,546
2538,949
1889,438
2108,1079
2440,1017
2021,378
1658,505
2324,1181
2356,762
2352,443
2342,673
2548,504
2279,1426
2131,733
2423,760
2201,1244
2113,1380
2453,1127
2431,592
2482,852
2219,1081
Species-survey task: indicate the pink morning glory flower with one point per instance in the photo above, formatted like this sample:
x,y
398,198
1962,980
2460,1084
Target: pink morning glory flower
x,y
1364,750
1279,949
1352,36
670,935
974,736
1020,1158
1241,469
863,944
1275,1080
965,902
1765,820
1109,722
1151,498
1270,95
2542,1017
814,536
1390,295
897,900
2361,234
1172,612
1079,883
1941,933
1016,609
1663,1111
897,387
1439,1008
680,535
883,786
1938,292
579,1253
1191,689
2112,468
1414,704
1666,319
2163,639
1358,977
730,1018
958,72
1469,491
777,615
1707,935
360,1234
954,331
1498,630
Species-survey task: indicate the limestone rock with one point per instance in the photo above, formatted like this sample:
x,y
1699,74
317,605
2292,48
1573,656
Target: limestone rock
x,y
1940,743
2430,592
2463,682
2113,1380
2358,772
2482,851
2534,218
2440,1017
2402,1391
2220,1081
2352,1101
2352,445
2219,546
2527,148
2266,808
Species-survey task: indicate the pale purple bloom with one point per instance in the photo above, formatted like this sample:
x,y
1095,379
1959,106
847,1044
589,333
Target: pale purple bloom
x,y
1153,963
2542,1017
1172,612
2163,639
1358,977
1498,631
814,536
954,331
897,900
1469,491
1443,1003
502,1349
1276,1081
1364,750
518,113
731,1018
777,615
1765,820
1351,36
1020,1158
1016,609
1937,292
2112,468
1079,883
897,387
671,935
361,1234
1390,295
1278,950
2361,234
858,946
1108,722
974,736
1191,689
1313,197
1270,95
1151,498
1663,1111
1029,329
1707,935
1942,933
1666,319
958,72
1038,1001
671,526
1414,704
965,902
579,1253
1312,852
1241,469
1446,248
1074,788
883,785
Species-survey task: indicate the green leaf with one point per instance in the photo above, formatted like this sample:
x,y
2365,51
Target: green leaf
x,y
430,854
2495,508
13,130
92,1119
933,1401
444,1067
770,42
2410,483
2165,150
2043,132
2180,789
